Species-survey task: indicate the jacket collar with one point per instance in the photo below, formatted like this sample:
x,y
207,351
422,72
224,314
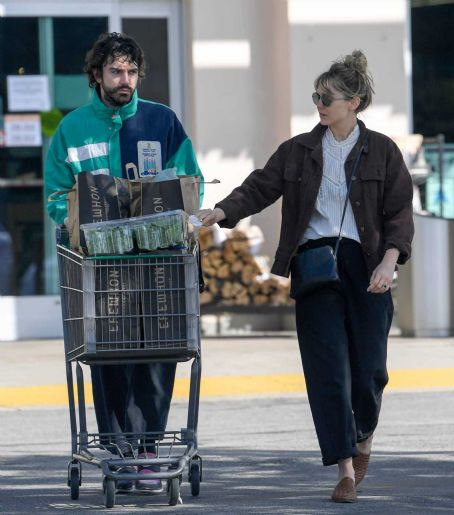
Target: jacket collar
x,y
119,114
313,141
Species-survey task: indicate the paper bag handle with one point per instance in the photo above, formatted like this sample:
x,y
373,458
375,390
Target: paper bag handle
x,y
51,198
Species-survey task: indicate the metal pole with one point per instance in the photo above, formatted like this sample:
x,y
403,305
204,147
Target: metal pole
x,y
46,64
440,147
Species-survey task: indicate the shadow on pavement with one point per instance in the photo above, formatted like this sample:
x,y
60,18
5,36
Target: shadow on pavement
x,y
239,481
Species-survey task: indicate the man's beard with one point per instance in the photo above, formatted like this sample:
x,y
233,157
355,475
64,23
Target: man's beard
x,y
113,96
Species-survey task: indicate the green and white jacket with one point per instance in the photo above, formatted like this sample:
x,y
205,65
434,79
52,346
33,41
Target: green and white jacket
x,y
139,139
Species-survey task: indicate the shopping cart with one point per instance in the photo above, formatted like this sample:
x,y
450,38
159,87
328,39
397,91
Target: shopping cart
x,y
131,309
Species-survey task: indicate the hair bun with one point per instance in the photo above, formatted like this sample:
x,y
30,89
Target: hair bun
x,y
357,60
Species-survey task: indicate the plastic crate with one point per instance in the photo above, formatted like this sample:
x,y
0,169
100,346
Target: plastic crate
x,y
126,308
149,232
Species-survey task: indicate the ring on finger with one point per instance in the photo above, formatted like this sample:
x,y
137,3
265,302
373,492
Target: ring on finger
x,y
384,286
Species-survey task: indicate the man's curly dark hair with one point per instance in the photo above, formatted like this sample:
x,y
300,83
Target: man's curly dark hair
x,y
106,49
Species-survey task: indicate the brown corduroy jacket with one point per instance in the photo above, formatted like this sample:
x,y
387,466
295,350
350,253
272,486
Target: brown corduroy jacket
x,y
381,195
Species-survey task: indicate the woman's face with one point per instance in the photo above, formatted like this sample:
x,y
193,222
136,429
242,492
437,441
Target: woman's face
x,y
338,111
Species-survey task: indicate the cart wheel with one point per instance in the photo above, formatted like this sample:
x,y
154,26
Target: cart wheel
x,y
174,490
74,482
195,478
109,492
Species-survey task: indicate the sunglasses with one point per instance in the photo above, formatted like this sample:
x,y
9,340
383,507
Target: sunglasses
x,y
325,98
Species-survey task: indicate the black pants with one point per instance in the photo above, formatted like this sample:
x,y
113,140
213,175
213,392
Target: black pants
x,y
132,398
342,336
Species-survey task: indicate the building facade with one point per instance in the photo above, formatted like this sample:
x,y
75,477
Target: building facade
x,y
239,74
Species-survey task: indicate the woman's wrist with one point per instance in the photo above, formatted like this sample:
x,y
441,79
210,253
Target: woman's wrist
x,y
391,256
219,214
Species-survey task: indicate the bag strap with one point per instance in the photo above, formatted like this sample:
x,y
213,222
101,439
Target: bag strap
x,y
51,197
352,178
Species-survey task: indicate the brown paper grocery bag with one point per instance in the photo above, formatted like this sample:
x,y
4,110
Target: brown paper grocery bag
x,y
190,190
95,198
149,197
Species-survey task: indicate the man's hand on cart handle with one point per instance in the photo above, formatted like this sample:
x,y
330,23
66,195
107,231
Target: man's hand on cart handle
x,y
211,216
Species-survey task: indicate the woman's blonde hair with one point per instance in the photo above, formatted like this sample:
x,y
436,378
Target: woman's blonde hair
x,y
349,76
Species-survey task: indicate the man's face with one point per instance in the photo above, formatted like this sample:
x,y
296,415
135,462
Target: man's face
x,y
118,81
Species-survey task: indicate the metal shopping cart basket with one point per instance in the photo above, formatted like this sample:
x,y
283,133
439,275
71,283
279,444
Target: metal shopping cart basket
x,y
131,309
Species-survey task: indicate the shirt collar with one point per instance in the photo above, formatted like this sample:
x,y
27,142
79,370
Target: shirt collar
x,y
349,141
314,138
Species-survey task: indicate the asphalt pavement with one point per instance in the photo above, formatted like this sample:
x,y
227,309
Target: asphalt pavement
x,y
255,434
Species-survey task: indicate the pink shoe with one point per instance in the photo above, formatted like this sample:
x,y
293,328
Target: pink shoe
x,y
149,484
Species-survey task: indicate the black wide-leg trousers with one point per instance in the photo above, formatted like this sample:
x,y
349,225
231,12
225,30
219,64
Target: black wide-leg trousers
x,y
132,398
342,335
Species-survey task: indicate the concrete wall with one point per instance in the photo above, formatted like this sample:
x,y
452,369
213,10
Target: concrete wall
x,y
254,63
30,317
249,67
241,93
323,30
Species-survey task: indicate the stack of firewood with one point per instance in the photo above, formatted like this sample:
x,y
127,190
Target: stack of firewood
x,y
233,275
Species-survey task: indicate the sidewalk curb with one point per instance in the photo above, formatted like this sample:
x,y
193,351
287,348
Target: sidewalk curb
x,y
228,386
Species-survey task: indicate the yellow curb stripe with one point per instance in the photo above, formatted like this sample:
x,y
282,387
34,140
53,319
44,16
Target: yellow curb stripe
x,y
226,386
421,379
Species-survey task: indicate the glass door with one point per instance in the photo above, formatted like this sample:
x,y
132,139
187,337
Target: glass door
x,y
157,27
54,47
52,40
152,35
21,206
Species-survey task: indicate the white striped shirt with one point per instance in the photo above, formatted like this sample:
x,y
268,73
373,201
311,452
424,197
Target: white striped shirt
x,y
325,221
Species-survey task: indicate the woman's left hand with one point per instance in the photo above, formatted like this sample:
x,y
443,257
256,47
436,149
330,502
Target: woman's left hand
x,y
382,277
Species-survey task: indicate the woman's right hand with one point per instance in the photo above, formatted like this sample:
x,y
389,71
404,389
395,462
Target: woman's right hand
x,y
211,216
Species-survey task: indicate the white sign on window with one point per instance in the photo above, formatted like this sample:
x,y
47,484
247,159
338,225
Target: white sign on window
x,y
22,130
28,93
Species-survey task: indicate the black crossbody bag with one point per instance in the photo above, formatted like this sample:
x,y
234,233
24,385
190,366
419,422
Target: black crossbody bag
x,y
317,268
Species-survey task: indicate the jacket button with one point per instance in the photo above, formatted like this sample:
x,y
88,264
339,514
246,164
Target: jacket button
x,y
362,228
357,203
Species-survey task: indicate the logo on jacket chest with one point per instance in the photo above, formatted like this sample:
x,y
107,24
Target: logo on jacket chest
x,y
149,158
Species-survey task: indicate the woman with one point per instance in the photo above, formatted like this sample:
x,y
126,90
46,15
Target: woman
x,y
342,332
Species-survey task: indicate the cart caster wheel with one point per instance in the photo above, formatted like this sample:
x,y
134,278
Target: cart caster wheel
x,y
109,492
173,486
74,482
195,478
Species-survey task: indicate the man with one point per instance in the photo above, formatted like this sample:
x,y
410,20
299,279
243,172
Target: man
x,y
116,133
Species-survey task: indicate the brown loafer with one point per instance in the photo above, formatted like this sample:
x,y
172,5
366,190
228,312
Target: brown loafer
x,y
360,464
345,491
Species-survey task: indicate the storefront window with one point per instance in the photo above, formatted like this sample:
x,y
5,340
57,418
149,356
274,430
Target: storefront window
x,y
151,34
55,47
21,206
433,71
73,37
26,260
